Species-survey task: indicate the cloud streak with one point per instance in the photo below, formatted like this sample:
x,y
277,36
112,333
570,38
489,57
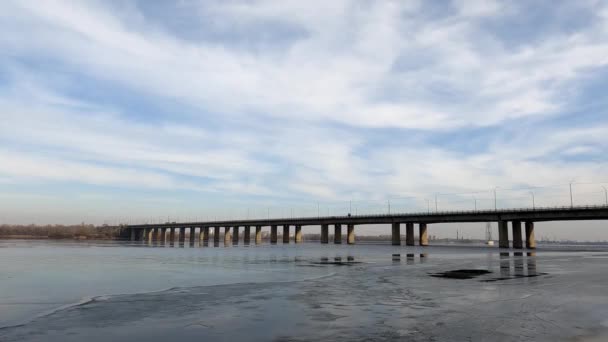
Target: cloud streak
x,y
322,101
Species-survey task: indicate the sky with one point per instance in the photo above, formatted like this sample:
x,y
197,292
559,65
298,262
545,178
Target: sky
x,y
147,111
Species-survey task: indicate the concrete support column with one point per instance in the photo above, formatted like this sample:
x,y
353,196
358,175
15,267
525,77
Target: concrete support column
x,y
258,235
132,234
273,234
163,235
324,233
285,234
517,240
530,241
423,235
298,237
216,235
154,234
503,234
182,235
149,234
409,234
192,235
204,235
396,234
337,233
235,236
227,235
350,234
142,234
247,236
171,235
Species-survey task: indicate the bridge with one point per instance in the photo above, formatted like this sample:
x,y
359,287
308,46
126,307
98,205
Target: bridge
x,y
158,232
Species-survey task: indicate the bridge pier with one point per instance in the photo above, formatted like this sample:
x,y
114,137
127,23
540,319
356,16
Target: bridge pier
x,y
409,234
517,240
273,235
235,236
204,236
350,234
192,235
227,236
216,236
530,241
503,234
172,236
258,235
286,234
163,235
133,237
298,236
396,234
182,235
423,234
337,233
247,235
324,233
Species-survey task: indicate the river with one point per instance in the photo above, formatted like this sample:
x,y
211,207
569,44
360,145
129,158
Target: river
x,y
123,291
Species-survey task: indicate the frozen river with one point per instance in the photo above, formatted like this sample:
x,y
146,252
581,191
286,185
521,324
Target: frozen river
x,y
114,291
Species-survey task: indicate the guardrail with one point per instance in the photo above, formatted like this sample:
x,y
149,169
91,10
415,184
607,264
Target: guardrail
x,y
424,213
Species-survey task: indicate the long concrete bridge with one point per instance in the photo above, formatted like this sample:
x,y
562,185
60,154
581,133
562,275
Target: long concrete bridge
x,y
517,217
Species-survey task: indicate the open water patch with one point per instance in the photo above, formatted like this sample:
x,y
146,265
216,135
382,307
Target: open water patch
x,y
461,274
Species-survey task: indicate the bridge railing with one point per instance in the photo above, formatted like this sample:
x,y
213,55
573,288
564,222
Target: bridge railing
x,y
422,213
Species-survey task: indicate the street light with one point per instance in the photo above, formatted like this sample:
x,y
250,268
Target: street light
x,y
475,199
571,201
605,194
388,201
533,204
495,206
436,208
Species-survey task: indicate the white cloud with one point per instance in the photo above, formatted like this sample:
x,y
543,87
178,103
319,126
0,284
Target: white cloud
x,y
356,106
328,74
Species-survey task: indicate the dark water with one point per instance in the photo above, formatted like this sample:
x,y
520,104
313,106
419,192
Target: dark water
x,y
109,291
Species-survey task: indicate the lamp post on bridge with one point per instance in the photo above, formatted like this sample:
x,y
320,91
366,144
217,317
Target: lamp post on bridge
x,y
436,207
533,204
571,200
495,201
605,194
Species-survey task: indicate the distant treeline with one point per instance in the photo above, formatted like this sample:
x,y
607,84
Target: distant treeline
x,y
81,231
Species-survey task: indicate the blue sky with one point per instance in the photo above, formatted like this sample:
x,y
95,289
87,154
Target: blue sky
x,y
139,110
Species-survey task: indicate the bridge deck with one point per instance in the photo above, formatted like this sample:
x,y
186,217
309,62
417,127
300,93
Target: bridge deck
x,y
533,215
